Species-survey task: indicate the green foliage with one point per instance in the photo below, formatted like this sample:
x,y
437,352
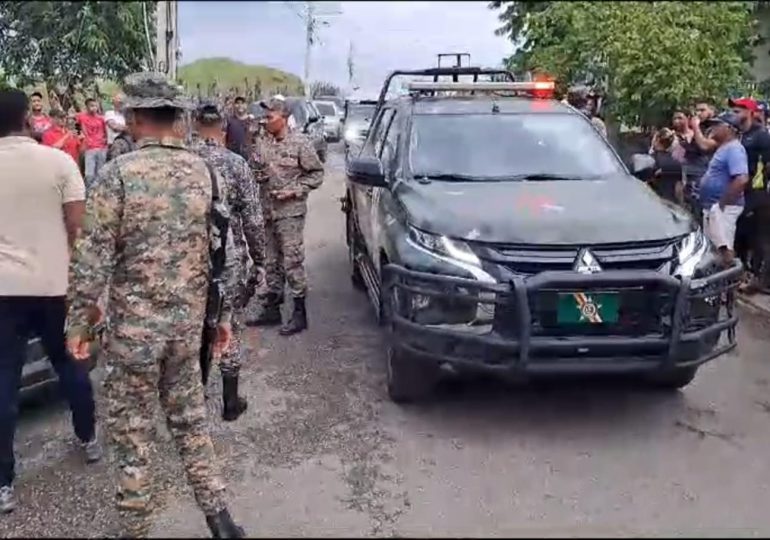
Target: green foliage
x,y
220,75
513,17
68,45
649,57
324,89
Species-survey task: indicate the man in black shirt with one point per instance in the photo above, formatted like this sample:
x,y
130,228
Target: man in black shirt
x,y
752,241
238,131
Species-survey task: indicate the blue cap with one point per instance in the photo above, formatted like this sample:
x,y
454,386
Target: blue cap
x,y
728,118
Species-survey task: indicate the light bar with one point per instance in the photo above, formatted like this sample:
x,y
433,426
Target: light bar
x,y
417,86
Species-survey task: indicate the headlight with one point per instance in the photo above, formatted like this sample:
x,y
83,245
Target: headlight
x,y
438,310
692,250
351,134
457,251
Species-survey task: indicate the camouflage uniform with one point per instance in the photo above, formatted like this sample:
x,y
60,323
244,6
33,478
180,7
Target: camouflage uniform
x,y
247,228
123,144
148,234
291,163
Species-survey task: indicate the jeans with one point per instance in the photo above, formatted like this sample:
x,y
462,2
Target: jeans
x,y
21,317
95,160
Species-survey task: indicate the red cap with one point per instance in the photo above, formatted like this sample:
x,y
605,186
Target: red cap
x,y
744,103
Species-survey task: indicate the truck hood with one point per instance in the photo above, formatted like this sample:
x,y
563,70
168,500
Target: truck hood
x,y
564,212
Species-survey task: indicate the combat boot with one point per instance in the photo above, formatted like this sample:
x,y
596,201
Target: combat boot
x,y
233,404
223,526
298,321
270,314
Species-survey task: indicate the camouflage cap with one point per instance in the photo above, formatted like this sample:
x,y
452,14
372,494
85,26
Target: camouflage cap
x,y
209,111
275,103
152,90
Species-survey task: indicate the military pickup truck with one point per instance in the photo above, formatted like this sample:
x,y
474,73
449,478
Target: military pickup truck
x,y
495,229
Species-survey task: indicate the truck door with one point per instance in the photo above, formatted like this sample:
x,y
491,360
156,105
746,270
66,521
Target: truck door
x,y
363,194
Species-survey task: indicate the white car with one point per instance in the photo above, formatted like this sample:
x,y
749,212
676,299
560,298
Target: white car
x,y
332,116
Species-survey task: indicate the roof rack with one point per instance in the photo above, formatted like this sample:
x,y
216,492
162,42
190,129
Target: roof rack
x,y
454,72
458,57
417,86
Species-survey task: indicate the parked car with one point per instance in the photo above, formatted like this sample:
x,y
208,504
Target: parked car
x,y
358,118
38,376
337,100
308,119
495,229
332,119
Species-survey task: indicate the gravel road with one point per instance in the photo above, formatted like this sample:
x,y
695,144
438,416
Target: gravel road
x,y
322,452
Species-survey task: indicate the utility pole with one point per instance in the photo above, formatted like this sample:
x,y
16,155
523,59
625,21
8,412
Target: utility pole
x,y
312,20
166,38
310,23
351,67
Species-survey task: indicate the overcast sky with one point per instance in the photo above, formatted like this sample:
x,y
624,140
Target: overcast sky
x,y
385,36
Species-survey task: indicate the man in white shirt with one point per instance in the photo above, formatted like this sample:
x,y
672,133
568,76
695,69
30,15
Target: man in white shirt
x,y
42,202
116,122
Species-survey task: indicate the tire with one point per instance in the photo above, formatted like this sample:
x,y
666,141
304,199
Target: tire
x,y
409,379
355,273
673,380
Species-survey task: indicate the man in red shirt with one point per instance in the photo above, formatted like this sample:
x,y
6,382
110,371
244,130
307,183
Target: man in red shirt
x,y
94,130
38,122
58,136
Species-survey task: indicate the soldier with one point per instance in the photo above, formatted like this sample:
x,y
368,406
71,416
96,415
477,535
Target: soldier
x,y
246,224
121,144
149,234
288,168
581,98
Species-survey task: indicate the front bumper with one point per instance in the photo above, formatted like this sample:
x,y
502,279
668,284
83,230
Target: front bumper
x,y
515,342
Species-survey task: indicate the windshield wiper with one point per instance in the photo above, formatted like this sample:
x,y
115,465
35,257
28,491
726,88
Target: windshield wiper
x,y
503,178
453,177
551,176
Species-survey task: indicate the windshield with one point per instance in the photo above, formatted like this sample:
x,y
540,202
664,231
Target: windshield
x,y
509,147
360,111
298,111
326,109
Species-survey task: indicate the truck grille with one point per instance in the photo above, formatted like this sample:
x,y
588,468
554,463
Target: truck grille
x,y
530,260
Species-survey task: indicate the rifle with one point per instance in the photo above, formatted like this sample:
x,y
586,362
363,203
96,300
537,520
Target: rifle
x,y
213,309
220,222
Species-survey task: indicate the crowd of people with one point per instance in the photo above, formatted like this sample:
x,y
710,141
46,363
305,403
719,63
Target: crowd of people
x,y
717,166
90,137
177,220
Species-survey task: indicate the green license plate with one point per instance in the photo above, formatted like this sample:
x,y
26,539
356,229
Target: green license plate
x,y
588,308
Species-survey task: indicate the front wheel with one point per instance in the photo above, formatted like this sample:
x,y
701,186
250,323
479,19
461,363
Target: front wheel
x,y
355,272
410,379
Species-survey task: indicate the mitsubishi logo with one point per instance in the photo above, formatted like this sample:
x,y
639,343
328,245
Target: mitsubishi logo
x,y
586,263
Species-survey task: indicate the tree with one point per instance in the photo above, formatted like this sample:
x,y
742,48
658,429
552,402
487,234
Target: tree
x,y
648,57
513,17
324,89
69,45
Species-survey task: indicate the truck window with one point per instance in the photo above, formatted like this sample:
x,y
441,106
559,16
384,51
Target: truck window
x,y
380,131
505,146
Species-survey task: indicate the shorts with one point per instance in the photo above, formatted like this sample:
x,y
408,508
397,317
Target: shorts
x,y
719,225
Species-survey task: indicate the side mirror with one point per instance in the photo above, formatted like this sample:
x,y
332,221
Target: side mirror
x,y
366,171
642,166
313,120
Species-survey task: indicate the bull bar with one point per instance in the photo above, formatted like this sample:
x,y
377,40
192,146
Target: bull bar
x,y
523,352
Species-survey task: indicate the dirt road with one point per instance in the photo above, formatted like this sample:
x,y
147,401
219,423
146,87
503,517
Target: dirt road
x,y
322,452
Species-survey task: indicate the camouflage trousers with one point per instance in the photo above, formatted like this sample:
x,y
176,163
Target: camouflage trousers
x,y
285,255
230,362
138,373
